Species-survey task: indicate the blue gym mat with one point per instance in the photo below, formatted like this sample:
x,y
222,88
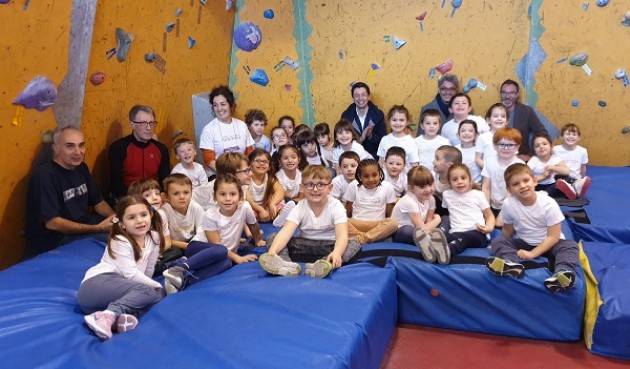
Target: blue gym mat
x,y
242,318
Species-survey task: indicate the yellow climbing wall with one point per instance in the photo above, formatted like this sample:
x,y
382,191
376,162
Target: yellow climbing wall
x,y
34,42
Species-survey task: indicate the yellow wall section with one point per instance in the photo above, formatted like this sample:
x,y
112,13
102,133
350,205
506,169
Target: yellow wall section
x,y
34,42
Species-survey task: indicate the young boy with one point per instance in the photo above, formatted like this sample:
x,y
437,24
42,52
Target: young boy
x,y
228,163
394,166
430,140
445,157
185,153
531,228
348,163
322,133
323,227
576,158
256,121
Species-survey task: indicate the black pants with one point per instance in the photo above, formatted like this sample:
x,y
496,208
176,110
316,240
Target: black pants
x,y
460,241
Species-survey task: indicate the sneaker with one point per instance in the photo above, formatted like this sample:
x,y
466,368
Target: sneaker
x,y
175,279
422,240
439,245
180,262
560,281
101,323
319,269
284,213
274,264
582,185
502,267
567,190
126,323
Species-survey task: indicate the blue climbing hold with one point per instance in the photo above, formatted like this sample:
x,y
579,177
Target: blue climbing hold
x,y
472,83
259,76
268,14
575,103
247,36
39,94
602,3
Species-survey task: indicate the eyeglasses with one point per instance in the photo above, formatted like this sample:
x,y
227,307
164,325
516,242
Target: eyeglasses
x,y
510,93
150,124
506,146
261,162
246,170
319,185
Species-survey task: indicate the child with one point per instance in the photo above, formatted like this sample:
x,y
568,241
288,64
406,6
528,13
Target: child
x,y
398,117
348,163
287,123
531,228
309,148
506,142
369,202
265,195
323,227
345,140
461,107
470,219
415,212
224,222
119,288
279,137
229,163
467,135
429,141
546,166
394,166
298,131
256,121
445,157
497,117
322,132
576,158
149,189
185,153
288,174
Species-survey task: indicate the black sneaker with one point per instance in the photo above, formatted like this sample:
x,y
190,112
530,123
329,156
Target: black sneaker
x,y
561,281
502,267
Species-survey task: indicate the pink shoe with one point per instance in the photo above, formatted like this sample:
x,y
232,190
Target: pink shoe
x,y
567,190
582,185
101,323
126,323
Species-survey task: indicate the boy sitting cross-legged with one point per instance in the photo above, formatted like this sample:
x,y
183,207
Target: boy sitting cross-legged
x,y
323,232
531,229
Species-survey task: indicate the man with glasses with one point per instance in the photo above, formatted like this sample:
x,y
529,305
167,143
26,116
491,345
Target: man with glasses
x,y
448,86
138,156
522,117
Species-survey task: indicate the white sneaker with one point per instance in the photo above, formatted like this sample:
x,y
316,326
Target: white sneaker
x,y
582,185
284,213
274,264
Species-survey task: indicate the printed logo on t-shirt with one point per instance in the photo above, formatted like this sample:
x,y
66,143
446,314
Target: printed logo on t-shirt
x,y
73,192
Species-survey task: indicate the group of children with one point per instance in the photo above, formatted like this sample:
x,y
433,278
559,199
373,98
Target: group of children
x,y
443,194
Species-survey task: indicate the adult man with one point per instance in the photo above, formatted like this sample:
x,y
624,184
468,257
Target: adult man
x,y
137,156
522,117
366,118
448,86
60,194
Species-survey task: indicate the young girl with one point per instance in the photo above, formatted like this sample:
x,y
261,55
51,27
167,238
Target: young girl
x,y
394,166
307,143
278,137
345,140
266,195
256,121
461,107
467,135
290,164
369,203
119,288
398,117
497,117
546,166
287,123
322,133
470,217
415,212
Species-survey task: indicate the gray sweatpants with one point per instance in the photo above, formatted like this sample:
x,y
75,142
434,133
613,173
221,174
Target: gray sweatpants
x,y
305,250
565,252
113,292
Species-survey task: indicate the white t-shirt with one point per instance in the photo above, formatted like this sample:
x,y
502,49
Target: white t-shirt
x,y
494,170
406,142
327,155
538,167
225,137
485,145
315,160
399,184
531,222
125,264
291,186
263,143
427,148
369,204
321,227
185,227
356,147
465,210
409,204
204,195
450,128
439,186
572,158
258,191
197,174
229,228
468,158
339,186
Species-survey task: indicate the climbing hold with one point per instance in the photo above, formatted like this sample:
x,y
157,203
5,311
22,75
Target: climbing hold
x,y
341,54
431,73
287,87
123,43
149,57
575,103
601,3
387,38
268,14
435,292
39,94
47,136
191,42
420,19
203,2
375,66
178,12
625,130
170,26
456,5
585,5
247,36
578,59
398,43
446,66
229,4
602,103
621,75
97,78
474,83
626,19
4,1
259,76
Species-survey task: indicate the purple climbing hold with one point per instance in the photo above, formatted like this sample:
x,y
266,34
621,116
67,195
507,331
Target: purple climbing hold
x,y
4,1
602,3
247,36
40,93
259,76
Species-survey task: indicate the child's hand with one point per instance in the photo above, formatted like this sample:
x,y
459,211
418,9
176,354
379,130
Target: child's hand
x,y
246,259
261,243
334,259
263,214
437,218
484,228
525,255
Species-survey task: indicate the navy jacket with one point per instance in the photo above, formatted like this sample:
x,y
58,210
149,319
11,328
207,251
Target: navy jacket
x,y
375,115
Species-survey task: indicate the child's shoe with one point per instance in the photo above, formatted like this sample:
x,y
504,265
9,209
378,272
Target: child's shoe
x,y
319,269
567,190
284,213
439,245
502,267
582,185
560,281
423,242
126,323
101,323
274,264
175,278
